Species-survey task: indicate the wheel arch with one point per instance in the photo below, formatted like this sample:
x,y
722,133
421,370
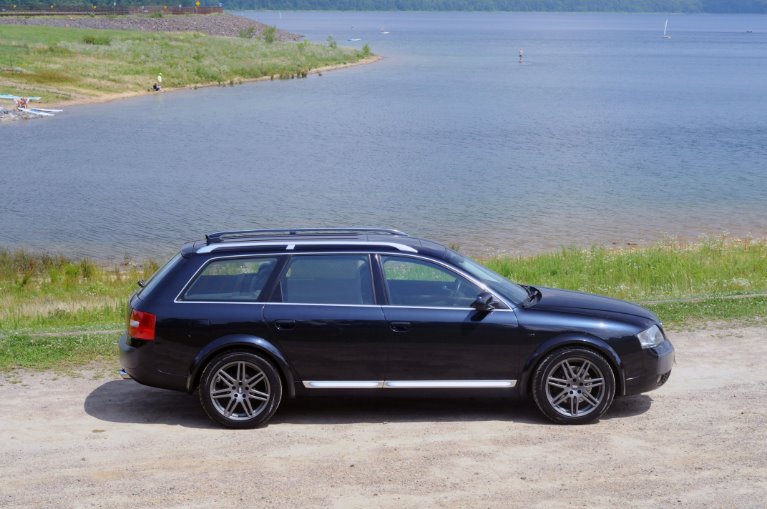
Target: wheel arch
x,y
241,342
569,340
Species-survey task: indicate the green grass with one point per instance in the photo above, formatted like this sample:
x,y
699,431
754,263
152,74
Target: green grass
x,y
714,267
685,314
67,63
59,312
53,309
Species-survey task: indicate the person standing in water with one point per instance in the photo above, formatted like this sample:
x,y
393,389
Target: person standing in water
x,y
521,55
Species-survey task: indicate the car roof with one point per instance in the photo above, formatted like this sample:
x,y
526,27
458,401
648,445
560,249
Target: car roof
x,y
313,239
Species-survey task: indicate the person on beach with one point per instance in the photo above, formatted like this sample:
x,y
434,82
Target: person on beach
x,y
159,80
21,103
156,87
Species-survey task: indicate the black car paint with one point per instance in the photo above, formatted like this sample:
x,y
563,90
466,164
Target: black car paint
x,y
309,342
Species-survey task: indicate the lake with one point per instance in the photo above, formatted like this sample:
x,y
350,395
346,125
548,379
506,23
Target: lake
x,y
606,133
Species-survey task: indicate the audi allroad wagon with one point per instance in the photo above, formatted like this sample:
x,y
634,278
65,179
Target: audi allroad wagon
x,y
250,317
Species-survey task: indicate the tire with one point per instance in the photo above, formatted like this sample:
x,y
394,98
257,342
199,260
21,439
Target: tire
x,y
573,386
240,390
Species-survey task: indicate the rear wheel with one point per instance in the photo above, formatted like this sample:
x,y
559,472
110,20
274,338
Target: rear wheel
x,y
240,390
574,386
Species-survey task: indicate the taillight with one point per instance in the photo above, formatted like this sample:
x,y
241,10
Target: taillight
x,y
141,325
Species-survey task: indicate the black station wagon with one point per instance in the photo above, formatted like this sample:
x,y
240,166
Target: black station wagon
x,y
250,317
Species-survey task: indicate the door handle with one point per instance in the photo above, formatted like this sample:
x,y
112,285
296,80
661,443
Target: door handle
x,y
285,324
400,326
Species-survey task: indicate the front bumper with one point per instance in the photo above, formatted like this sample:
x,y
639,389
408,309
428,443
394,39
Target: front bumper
x,y
650,369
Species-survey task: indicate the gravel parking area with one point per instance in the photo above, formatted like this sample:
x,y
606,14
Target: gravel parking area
x,y
93,441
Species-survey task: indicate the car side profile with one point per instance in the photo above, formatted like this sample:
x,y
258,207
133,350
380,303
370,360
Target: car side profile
x,y
250,317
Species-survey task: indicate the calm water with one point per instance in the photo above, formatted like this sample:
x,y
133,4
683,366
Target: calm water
x,y
607,133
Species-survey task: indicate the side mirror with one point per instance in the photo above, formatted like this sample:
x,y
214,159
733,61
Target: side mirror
x,y
483,302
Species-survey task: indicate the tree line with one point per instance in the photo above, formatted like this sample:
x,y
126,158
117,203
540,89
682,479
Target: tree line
x,y
690,6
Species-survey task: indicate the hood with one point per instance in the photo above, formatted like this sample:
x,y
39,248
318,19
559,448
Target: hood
x,y
556,300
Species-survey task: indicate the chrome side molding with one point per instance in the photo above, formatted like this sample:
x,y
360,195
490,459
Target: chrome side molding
x,y
410,384
372,384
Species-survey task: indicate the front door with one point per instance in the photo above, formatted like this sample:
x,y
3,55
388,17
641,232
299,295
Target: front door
x,y
436,336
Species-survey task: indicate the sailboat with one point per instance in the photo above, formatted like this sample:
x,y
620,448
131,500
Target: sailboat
x,y
666,35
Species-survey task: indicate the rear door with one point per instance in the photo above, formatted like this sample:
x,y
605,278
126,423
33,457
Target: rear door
x,y
324,317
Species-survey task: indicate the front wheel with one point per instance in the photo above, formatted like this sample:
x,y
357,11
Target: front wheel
x,y
573,386
240,390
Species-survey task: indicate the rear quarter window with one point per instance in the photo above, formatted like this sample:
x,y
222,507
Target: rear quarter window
x,y
158,277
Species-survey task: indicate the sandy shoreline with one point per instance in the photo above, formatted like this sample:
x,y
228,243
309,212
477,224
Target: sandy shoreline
x,y
114,97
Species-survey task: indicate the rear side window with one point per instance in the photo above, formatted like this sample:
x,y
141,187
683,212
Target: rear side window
x,y
242,280
328,279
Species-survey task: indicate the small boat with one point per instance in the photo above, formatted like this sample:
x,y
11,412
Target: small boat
x,y
666,34
384,32
354,39
44,110
34,111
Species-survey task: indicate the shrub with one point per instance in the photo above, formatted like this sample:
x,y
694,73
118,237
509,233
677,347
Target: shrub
x,y
270,34
248,33
97,40
332,42
157,14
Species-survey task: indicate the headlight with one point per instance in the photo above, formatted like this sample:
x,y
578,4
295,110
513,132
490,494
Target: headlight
x,y
651,337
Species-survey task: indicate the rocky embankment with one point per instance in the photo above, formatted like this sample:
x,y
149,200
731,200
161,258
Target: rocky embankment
x,y
11,114
226,25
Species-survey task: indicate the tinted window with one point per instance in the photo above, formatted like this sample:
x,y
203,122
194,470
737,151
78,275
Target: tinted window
x,y
512,291
232,280
413,282
328,279
158,276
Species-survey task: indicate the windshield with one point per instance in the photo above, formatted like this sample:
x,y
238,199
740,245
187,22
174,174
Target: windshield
x,y
499,284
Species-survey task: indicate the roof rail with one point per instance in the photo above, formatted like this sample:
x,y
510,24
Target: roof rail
x,y
315,232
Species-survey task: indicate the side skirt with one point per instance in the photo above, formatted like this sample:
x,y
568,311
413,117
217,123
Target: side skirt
x,y
410,384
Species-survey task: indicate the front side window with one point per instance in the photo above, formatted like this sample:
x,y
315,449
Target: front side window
x,y
511,291
241,279
413,282
328,279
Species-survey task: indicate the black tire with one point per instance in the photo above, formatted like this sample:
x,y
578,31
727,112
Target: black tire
x,y
573,386
240,390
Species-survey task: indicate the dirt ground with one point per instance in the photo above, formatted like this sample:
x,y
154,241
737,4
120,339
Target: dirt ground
x,y
94,441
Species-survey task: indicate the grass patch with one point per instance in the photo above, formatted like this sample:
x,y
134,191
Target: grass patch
x,y
97,40
19,350
60,312
682,314
56,63
717,266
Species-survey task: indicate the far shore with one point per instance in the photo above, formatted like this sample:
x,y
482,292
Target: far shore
x,y
73,61
127,95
